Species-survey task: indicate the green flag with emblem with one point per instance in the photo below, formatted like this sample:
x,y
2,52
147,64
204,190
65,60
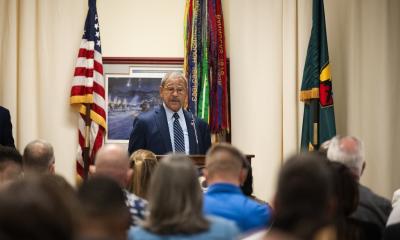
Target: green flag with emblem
x,y
316,87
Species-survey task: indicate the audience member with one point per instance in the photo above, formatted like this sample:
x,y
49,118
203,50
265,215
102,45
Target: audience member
x,y
392,232
396,198
394,217
175,202
303,203
6,137
372,208
38,158
10,165
113,161
37,209
104,212
143,163
346,201
224,172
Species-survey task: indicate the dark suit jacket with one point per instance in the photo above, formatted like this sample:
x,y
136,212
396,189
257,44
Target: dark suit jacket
x,y
372,208
150,131
6,138
392,232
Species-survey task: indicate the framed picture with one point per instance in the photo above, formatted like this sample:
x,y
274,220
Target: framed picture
x,y
132,87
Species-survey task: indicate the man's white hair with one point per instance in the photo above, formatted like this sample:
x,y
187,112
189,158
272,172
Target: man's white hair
x,y
351,155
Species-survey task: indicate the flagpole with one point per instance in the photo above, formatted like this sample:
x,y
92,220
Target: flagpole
x,y
315,122
86,149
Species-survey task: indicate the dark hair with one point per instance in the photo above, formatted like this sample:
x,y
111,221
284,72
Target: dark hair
x,y
303,195
103,205
10,154
38,155
35,208
175,198
345,189
346,196
102,196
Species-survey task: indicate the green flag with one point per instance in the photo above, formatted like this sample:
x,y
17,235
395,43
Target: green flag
x,y
316,87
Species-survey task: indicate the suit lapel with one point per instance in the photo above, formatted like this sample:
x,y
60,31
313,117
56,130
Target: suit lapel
x,y
192,135
162,124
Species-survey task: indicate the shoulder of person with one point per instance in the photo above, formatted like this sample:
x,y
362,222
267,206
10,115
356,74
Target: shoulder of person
x,y
139,232
3,110
149,114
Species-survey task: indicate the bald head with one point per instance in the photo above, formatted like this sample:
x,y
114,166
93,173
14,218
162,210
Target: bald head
x,y
113,161
38,157
347,150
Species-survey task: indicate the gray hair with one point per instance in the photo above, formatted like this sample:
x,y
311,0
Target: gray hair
x,y
175,198
173,75
38,156
348,151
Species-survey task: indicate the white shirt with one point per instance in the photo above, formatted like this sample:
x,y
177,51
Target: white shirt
x,y
182,122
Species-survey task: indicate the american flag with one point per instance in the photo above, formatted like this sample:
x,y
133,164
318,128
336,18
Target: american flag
x,y
88,87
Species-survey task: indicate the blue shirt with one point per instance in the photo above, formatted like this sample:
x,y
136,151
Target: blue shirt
x,y
182,122
220,229
228,201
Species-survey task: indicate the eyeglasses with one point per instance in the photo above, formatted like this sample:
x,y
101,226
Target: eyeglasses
x,y
171,90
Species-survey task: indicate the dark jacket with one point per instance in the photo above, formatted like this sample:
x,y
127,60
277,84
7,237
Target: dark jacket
x,y
6,137
150,131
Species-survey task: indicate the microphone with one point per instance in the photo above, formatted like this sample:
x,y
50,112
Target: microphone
x,y
193,123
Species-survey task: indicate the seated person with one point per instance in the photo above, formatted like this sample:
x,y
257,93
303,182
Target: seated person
x,y
371,208
6,137
37,208
104,212
303,200
38,158
224,173
113,161
143,163
10,165
175,202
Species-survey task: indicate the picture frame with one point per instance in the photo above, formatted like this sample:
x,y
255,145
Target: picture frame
x,y
132,87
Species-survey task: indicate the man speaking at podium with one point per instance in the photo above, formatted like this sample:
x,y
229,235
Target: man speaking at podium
x,y
170,128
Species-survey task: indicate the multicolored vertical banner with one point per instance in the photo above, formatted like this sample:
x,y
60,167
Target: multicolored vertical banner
x,y
205,63
87,90
316,88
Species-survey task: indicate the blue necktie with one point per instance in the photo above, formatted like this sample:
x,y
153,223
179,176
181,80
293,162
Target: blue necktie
x,y
179,140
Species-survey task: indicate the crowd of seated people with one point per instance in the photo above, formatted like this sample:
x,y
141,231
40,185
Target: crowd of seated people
x,y
318,196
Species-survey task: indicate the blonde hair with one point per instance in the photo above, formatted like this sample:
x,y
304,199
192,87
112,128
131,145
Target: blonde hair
x,y
143,163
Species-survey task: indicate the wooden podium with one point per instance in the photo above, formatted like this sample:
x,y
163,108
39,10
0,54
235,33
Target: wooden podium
x,y
199,161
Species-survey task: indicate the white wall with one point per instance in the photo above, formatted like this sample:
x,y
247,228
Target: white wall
x,y
137,28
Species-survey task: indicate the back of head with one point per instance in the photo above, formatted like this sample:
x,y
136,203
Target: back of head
x,y
303,195
175,198
35,208
112,160
348,151
105,214
345,189
224,162
10,165
143,164
38,157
